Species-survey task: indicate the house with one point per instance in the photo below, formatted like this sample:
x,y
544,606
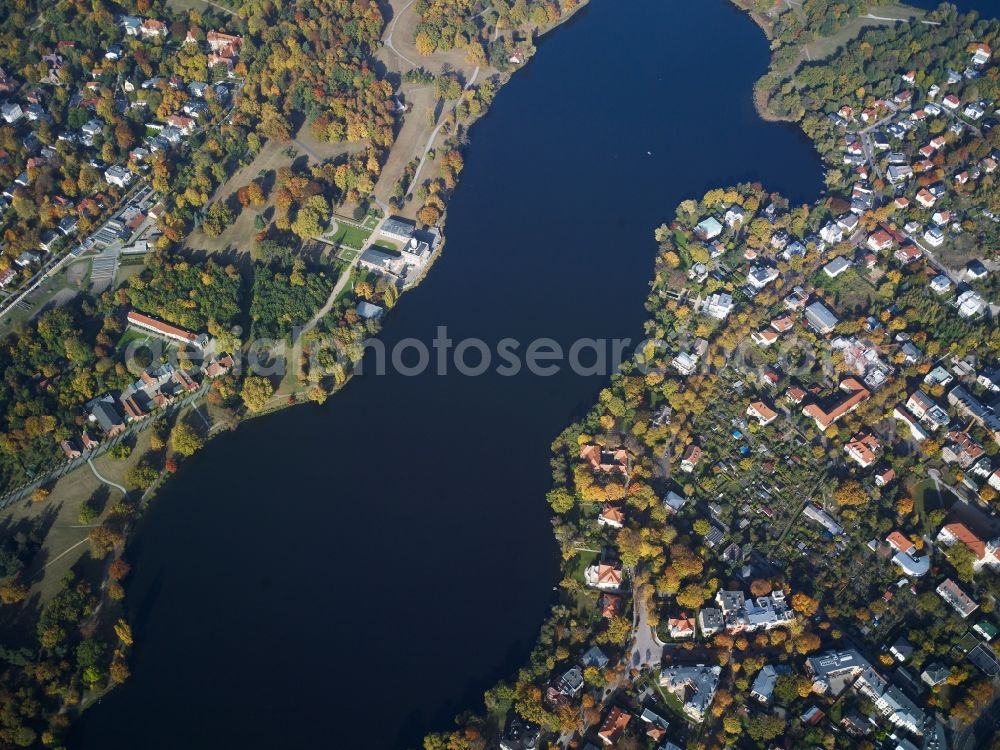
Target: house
x,y
885,476
657,725
690,459
606,461
951,102
609,605
153,28
764,338
926,198
603,576
832,233
184,124
906,556
710,621
902,649
820,516
763,413
594,657
760,276
69,449
681,627
961,449
970,304
708,229
976,270
835,670
159,328
6,277
934,236
935,674
984,552
673,502
940,284
820,318
222,43
974,111
744,614
368,311
103,413
118,175
735,216
783,324
795,394
986,630
719,305
11,112
956,598
571,682
520,735
694,687
836,267
907,254
27,258
219,366
685,363
612,516
879,241
864,449
88,442
763,685
981,53
613,726
941,218
856,394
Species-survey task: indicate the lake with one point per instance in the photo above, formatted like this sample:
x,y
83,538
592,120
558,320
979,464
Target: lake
x,y
365,569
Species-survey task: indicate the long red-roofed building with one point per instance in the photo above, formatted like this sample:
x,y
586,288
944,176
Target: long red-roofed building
x,y
857,394
146,323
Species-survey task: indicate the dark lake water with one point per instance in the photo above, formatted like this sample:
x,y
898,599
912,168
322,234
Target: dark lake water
x,y
363,570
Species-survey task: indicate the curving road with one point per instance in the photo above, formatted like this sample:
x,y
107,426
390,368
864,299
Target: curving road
x,y
392,30
90,463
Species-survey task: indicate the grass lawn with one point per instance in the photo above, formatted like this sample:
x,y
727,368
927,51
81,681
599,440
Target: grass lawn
x,y
386,244
349,236
851,292
347,255
584,599
370,222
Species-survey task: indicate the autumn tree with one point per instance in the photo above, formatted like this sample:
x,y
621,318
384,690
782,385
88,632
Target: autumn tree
x,y
256,392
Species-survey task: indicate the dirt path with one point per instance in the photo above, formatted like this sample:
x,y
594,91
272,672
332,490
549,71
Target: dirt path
x,y
332,299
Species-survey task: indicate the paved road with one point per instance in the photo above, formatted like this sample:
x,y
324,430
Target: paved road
x,y
647,651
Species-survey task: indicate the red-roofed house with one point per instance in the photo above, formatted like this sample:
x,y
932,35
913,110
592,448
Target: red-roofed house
x,y
690,459
613,726
763,413
864,449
